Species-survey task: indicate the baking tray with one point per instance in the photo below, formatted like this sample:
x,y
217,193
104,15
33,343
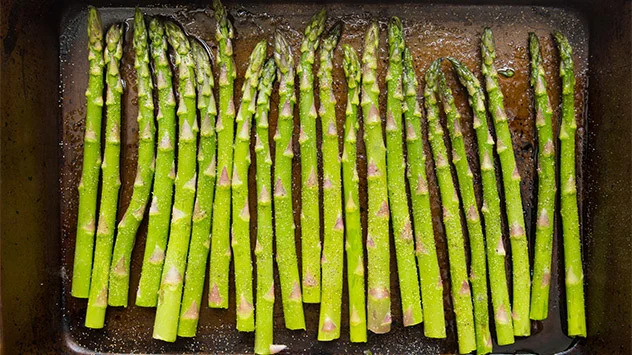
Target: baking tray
x,y
43,110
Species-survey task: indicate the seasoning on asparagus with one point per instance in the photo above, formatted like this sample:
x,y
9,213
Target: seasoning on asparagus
x,y
401,223
428,264
203,207
283,212
462,300
478,264
264,310
160,209
546,186
225,128
574,274
491,206
241,208
351,201
511,183
170,294
310,210
97,301
89,184
127,228
377,243
333,231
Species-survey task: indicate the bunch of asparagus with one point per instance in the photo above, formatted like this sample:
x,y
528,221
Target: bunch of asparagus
x,y
206,193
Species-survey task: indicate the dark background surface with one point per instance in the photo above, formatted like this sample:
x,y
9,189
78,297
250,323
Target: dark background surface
x,y
30,246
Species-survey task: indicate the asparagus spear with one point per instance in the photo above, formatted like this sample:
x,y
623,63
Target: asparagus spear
x,y
97,301
351,200
127,228
264,309
546,186
378,253
570,216
491,206
428,264
241,209
332,261
478,265
203,207
170,294
89,185
225,127
401,223
511,184
462,301
160,209
310,211
283,213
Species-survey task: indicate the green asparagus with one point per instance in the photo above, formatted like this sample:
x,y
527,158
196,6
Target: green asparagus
x,y
127,228
97,301
310,212
462,301
574,278
170,294
511,183
89,185
283,212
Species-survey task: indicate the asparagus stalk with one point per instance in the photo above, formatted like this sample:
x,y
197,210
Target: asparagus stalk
x,y
351,200
89,185
491,206
462,301
283,213
160,209
241,209
97,301
127,228
203,207
310,211
401,223
546,186
428,264
378,253
225,127
478,265
332,261
264,310
511,184
575,310
170,294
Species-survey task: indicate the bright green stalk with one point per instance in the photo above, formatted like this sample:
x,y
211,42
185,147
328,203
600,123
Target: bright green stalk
x,y
310,211
377,243
511,182
203,208
478,265
462,300
283,212
241,208
160,209
546,186
127,228
170,294
428,264
225,128
333,253
491,206
97,301
89,185
570,216
351,200
264,317
401,223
